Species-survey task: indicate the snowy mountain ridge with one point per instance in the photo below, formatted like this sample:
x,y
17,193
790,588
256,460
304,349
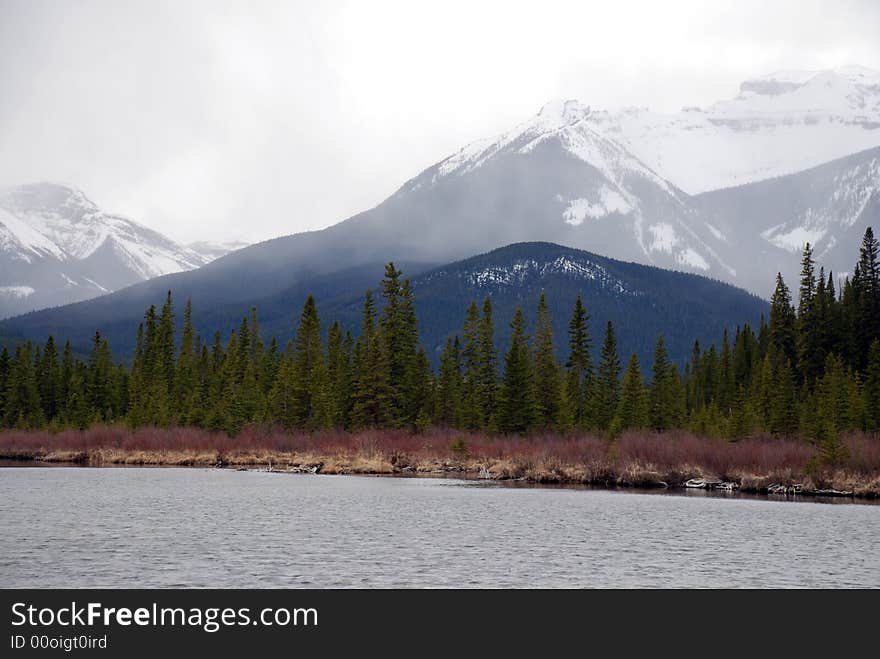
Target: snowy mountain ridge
x,y
58,246
777,124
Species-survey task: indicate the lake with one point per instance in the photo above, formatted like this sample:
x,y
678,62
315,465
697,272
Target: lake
x,y
162,527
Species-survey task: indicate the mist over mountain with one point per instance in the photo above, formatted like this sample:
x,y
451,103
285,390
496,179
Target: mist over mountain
x,y
641,301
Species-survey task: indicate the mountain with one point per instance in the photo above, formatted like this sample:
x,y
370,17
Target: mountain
x,y
57,246
642,301
762,227
578,177
777,124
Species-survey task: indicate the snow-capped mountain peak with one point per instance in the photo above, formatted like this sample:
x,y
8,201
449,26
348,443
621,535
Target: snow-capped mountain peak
x,y
778,124
568,123
58,246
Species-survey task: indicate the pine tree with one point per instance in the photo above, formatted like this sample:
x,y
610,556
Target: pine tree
x,y
49,380
411,366
547,376
372,394
782,321
579,366
308,359
488,366
473,405
808,339
607,391
166,349
632,409
339,373
23,407
78,413
517,402
867,297
449,391
99,380
281,395
398,329
186,390
664,404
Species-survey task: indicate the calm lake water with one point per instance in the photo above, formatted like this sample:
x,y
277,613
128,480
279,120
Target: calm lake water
x,y
80,527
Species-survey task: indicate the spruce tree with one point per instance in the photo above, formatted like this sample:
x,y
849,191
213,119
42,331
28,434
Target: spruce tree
x,y
186,391
281,395
664,406
868,297
372,395
167,349
782,321
308,359
23,407
49,380
449,390
339,373
579,377
412,384
632,409
808,339
607,390
547,376
473,405
488,366
99,380
517,396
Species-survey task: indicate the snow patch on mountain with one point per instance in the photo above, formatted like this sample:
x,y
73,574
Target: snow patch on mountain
x,y
521,271
663,237
717,233
16,291
794,239
607,201
691,258
23,241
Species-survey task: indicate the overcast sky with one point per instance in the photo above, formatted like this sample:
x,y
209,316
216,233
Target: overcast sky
x,y
225,120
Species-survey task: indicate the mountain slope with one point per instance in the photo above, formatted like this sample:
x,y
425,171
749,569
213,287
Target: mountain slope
x,y
570,177
642,302
778,124
763,226
57,246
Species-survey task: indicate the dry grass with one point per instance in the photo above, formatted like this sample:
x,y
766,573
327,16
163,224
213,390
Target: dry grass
x,y
640,459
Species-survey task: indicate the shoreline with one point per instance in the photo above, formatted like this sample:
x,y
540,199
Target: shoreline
x,y
628,475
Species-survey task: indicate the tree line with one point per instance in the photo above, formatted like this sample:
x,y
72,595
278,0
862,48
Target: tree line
x,y
811,369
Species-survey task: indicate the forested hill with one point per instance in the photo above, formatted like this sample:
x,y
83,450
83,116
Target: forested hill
x,y
641,301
